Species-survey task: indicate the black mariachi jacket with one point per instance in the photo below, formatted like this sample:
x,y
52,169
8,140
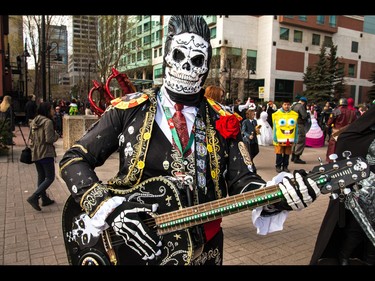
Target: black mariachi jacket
x,y
218,166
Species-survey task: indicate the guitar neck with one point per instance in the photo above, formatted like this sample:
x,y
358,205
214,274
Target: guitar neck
x,y
202,213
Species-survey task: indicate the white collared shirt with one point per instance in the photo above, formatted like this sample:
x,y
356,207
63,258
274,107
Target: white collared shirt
x,y
164,101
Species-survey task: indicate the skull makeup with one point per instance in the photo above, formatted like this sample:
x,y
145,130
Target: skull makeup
x,y
186,64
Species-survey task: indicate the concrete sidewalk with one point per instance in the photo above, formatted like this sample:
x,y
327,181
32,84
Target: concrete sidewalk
x,y
28,237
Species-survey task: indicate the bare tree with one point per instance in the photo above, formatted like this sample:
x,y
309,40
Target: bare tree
x,y
112,35
32,25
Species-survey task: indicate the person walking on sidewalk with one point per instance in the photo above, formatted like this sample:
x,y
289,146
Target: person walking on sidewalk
x,y
43,136
301,108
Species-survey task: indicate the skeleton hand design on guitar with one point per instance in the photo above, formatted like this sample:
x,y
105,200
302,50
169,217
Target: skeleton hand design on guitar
x,y
299,192
127,224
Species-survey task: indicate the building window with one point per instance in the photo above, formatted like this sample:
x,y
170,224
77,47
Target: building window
x,y
284,89
341,68
351,70
284,33
297,36
302,18
320,19
354,47
252,60
213,33
146,40
316,39
155,53
332,21
235,57
327,41
158,73
147,54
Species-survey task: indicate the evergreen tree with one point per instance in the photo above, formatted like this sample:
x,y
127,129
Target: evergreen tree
x,y
325,80
337,74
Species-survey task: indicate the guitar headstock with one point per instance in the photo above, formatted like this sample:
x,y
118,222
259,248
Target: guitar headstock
x,y
340,174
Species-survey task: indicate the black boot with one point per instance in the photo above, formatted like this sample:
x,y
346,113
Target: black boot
x,y
298,160
285,169
293,157
33,201
46,200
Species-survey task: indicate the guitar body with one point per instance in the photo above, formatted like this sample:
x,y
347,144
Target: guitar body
x,y
175,224
83,248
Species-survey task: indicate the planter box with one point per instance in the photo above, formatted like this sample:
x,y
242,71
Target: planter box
x,y
75,126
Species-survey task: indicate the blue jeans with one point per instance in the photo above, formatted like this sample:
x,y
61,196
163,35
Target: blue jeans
x,y
46,175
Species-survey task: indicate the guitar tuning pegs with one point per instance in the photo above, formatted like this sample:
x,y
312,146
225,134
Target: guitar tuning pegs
x,y
346,154
333,157
320,161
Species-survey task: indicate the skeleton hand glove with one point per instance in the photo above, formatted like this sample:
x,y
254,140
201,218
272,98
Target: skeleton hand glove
x,y
127,223
299,191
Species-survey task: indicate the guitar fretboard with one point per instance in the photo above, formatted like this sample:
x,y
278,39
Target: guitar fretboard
x,y
210,211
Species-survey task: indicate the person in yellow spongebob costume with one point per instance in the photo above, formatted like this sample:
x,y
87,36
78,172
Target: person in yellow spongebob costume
x,y
284,122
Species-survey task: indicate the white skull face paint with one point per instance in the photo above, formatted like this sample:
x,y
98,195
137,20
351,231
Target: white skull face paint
x,y
186,63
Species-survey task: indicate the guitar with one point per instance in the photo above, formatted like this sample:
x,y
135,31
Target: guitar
x,y
173,221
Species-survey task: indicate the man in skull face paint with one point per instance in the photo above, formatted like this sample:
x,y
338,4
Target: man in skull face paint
x,y
214,163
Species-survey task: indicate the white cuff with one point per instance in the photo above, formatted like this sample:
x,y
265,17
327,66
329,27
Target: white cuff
x,y
270,223
98,220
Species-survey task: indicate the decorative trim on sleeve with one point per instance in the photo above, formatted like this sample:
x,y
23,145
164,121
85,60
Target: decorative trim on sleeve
x,y
94,198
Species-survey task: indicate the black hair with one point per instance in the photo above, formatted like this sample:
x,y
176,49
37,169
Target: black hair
x,y
44,109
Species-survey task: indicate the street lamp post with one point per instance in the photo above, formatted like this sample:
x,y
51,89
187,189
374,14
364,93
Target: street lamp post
x,y
230,79
57,58
49,72
88,81
248,83
43,58
26,54
225,70
250,71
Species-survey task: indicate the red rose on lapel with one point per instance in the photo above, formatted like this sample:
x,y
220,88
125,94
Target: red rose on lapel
x,y
228,126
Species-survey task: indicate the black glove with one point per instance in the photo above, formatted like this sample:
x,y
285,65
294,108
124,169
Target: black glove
x,y
126,222
299,191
